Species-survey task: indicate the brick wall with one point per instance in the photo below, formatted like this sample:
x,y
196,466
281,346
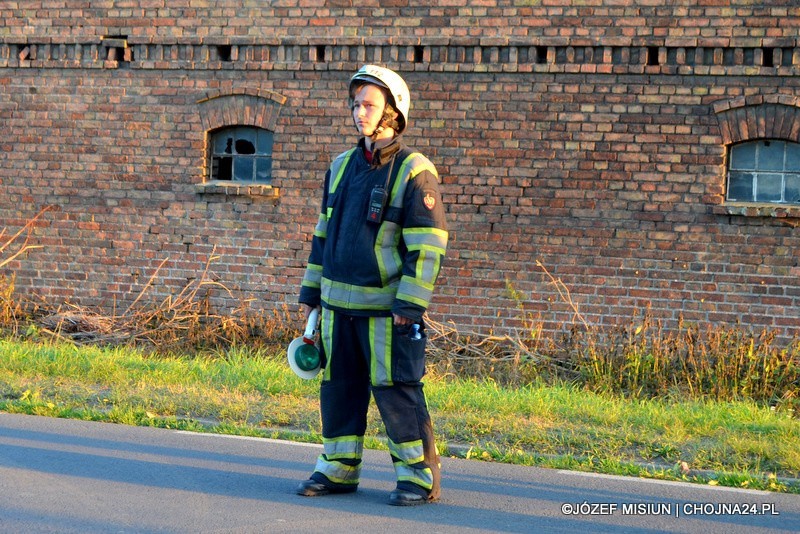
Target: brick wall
x,y
583,143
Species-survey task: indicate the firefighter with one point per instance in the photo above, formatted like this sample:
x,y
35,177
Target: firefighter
x,y
375,256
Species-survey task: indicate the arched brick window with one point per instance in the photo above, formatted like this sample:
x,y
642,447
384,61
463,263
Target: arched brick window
x,y
239,135
762,137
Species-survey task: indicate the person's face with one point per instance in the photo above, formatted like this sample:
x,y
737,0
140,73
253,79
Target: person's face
x,y
368,105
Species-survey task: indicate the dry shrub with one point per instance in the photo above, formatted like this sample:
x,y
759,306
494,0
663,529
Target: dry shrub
x,y
188,326
512,359
7,244
716,362
12,247
78,324
721,363
10,310
181,322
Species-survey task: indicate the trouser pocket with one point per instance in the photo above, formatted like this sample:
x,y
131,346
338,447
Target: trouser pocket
x,y
408,354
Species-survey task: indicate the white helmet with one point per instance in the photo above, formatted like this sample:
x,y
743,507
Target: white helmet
x,y
392,82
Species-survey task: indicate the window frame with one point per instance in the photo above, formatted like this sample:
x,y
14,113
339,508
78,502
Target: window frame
x,y
760,172
245,146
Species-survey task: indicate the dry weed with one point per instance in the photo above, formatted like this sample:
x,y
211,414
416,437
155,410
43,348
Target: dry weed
x,y
183,321
515,358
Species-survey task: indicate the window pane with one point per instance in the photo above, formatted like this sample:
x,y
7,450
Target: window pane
x,y
221,168
243,169
245,141
223,143
740,186
264,145
792,188
264,170
792,157
243,146
768,187
770,155
743,156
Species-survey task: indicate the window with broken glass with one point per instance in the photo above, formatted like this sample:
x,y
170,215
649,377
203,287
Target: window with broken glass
x,y
242,154
765,171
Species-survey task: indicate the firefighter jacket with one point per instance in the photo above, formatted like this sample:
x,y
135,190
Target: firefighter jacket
x,y
375,264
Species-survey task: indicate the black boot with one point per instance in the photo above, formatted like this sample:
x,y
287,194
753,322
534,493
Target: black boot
x,y
312,488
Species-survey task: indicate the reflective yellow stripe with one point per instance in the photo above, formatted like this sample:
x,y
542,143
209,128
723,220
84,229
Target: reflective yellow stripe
x,y
338,167
326,335
414,164
341,448
411,452
415,291
386,253
350,447
312,276
380,344
426,166
398,190
406,456
338,472
419,272
352,297
433,239
420,477
336,172
321,230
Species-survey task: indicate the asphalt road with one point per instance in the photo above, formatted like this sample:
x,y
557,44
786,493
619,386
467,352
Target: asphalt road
x,y
59,475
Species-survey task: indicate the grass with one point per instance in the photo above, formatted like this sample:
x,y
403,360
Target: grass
x,y
252,392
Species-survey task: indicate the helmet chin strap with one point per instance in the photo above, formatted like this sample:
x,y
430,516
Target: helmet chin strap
x,y
387,121
374,137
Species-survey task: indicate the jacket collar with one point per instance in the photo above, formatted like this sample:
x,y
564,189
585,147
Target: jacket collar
x,y
383,155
